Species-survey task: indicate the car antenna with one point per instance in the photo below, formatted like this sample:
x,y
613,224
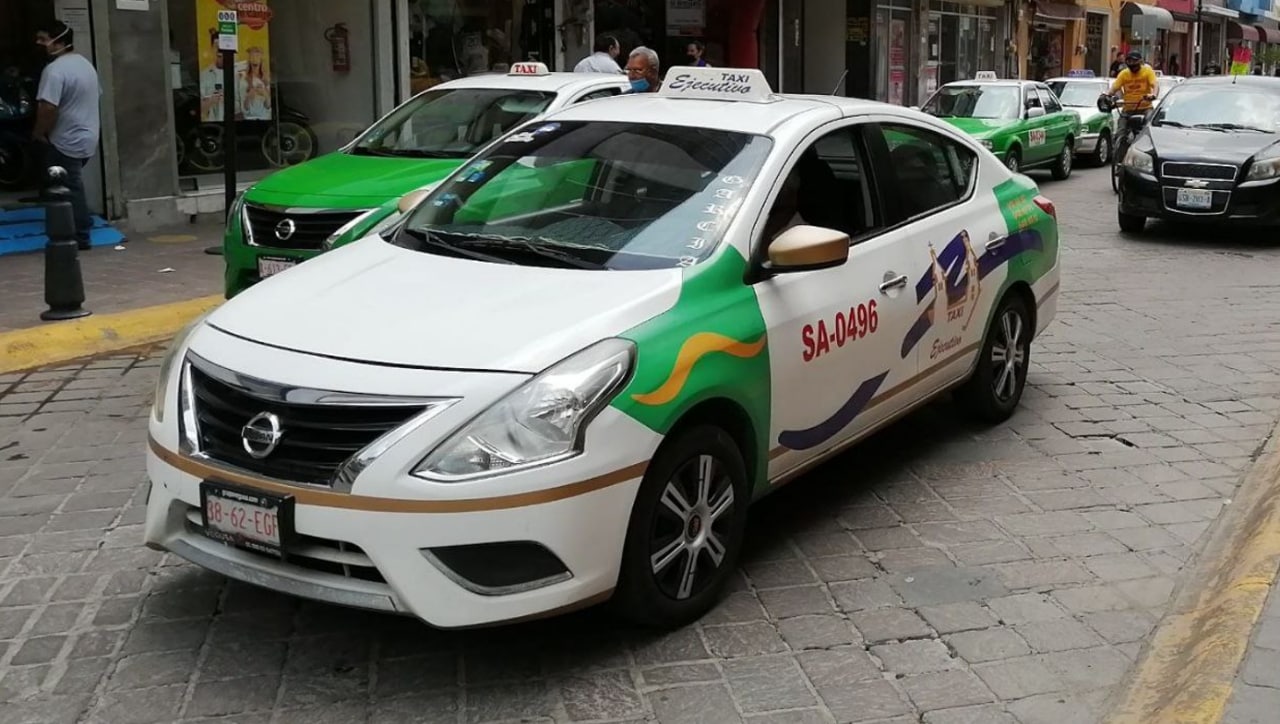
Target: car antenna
x,y
840,82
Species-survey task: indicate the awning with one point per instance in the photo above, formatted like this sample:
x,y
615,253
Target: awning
x,y
1163,18
1219,11
1240,31
1267,35
1048,10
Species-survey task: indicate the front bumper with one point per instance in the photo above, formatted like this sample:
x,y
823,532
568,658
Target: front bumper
x,y
1256,204
365,548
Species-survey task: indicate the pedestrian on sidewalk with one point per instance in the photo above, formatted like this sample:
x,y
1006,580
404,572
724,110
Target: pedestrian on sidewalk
x,y
67,123
642,70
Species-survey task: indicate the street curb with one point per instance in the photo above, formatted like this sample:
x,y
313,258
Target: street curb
x,y
1187,670
49,344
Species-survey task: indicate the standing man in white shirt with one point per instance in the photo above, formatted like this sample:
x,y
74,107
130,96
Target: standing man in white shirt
x,y
604,59
67,120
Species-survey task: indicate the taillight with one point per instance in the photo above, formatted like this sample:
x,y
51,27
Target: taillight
x,y
1046,206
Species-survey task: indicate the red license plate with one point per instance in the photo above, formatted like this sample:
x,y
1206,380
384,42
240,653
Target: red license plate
x,y
246,518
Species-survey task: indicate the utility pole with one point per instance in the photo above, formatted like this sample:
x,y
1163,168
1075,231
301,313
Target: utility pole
x,y
1199,37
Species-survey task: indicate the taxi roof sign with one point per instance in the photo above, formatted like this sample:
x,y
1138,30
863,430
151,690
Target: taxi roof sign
x,y
1080,73
986,75
717,84
529,69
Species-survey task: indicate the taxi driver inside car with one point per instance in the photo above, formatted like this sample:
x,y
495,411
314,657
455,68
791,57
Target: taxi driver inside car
x,y
662,352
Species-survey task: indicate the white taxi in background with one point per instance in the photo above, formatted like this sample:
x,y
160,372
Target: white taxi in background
x,y
566,373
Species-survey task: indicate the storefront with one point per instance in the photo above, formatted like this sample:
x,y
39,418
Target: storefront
x,y
1178,44
1052,51
962,41
1146,29
1215,18
1097,41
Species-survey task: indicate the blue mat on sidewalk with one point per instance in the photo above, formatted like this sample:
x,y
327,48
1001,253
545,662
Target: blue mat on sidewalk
x,y
22,230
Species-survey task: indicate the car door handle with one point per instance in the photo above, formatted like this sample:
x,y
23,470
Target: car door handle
x,y
897,282
995,242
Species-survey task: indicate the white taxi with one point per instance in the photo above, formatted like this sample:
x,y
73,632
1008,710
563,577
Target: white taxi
x,y
566,373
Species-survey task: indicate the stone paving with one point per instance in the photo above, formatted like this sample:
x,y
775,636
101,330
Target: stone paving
x,y
164,266
938,573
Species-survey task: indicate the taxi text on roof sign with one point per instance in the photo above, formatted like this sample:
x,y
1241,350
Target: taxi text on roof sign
x,y
719,84
529,69
986,75
1080,73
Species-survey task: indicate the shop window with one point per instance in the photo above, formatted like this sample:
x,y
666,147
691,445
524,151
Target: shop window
x,y
305,77
931,171
1095,32
451,39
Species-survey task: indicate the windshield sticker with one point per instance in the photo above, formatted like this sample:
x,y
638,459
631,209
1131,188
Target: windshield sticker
x,y
860,322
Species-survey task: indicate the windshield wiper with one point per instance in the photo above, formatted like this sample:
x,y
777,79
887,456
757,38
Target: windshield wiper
x,y
537,246
366,151
431,238
422,153
1171,124
1231,127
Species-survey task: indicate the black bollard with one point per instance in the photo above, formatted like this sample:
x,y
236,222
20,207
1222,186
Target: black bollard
x,y
63,284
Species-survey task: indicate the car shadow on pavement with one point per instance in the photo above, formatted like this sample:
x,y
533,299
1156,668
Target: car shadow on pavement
x,y
1238,240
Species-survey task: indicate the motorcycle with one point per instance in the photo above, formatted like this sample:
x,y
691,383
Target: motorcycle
x,y
17,117
285,140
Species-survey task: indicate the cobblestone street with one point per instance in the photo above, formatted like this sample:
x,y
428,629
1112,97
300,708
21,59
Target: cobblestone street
x,y
938,573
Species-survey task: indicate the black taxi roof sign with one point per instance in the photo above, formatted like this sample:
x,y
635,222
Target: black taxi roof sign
x,y
717,84
528,68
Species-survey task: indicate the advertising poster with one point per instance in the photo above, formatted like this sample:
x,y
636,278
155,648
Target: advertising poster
x,y
1241,60
897,60
253,60
686,17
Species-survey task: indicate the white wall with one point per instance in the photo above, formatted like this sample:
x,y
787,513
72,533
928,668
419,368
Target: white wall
x,y
824,40
339,103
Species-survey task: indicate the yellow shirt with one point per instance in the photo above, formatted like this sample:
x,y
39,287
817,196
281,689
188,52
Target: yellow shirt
x,y
1135,87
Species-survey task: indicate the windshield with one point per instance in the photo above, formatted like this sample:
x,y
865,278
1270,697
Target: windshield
x,y
594,194
1078,93
450,123
1224,107
975,101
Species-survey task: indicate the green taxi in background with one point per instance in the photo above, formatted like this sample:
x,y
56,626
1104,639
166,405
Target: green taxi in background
x,y
1021,121
1079,91
299,212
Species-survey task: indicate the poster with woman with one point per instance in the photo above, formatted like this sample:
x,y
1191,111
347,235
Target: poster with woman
x,y
253,64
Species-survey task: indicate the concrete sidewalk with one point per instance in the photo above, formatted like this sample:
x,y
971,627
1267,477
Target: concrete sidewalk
x,y
152,269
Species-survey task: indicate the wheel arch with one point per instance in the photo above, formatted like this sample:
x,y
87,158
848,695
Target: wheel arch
x,y
733,418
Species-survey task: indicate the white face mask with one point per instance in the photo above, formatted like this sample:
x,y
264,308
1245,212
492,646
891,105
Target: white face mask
x,y
54,40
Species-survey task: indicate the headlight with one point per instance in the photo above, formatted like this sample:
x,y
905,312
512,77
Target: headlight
x,y
1263,168
166,366
540,422
1139,161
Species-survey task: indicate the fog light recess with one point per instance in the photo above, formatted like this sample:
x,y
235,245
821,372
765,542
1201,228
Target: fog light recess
x,y
499,569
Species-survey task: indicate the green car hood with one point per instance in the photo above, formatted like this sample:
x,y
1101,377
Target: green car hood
x,y
340,180
979,127
1088,114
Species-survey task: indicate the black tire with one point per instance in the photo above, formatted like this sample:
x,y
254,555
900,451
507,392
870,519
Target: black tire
x,y
993,391
1062,167
1013,159
674,595
1131,223
1102,154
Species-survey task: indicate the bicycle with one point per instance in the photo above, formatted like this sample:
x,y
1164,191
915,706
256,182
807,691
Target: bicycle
x,y
1130,123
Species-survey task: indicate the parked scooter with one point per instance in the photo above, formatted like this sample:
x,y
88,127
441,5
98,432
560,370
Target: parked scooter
x,y
285,140
17,117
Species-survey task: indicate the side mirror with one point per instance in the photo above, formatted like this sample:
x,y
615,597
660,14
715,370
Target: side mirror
x,y
807,248
915,108
1035,112
413,198
1136,121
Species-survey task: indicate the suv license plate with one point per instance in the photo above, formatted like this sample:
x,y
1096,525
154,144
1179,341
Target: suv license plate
x,y
246,518
269,265
1195,199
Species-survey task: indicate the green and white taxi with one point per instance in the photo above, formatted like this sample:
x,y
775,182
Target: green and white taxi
x,y
1079,91
1022,122
565,374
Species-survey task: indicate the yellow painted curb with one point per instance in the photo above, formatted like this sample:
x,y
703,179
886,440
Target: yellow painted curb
x,y
1187,671
58,342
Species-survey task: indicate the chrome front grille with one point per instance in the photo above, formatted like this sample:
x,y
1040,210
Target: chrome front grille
x,y
1210,171
294,228
317,440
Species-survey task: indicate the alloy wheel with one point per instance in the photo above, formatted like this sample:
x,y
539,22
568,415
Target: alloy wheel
x,y
1008,355
692,527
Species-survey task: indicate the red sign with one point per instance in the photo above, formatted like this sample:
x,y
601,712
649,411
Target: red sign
x,y
1186,7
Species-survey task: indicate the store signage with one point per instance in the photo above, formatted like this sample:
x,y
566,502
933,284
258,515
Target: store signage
x,y
227,25
686,17
718,84
133,5
1180,26
253,14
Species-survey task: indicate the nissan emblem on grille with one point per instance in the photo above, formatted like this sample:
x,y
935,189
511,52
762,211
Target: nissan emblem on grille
x,y
261,435
285,229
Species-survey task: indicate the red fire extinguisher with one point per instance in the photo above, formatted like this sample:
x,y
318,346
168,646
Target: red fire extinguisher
x,y
339,47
